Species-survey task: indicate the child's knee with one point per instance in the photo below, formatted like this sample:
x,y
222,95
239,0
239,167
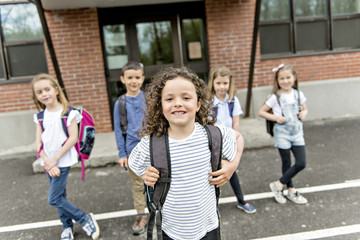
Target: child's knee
x,y
53,201
300,165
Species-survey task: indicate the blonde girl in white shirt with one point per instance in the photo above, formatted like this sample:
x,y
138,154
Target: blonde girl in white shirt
x,y
58,153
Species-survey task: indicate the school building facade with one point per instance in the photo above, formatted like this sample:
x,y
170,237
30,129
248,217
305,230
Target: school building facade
x,y
91,40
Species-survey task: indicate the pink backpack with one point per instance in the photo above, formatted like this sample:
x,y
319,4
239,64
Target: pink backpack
x,y
86,139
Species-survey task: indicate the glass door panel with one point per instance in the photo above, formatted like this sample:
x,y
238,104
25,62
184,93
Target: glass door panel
x,y
194,39
155,43
194,48
116,56
115,46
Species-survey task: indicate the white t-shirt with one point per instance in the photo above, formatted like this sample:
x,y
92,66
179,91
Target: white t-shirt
x,y
223,116
53,136
189,211
285,99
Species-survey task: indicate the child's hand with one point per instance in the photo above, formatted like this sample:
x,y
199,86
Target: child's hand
x,y
54,172
123,163
223,175
302,115
49,163
280,119
150,176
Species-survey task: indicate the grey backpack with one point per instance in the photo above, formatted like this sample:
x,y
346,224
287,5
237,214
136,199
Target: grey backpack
x,y
160,159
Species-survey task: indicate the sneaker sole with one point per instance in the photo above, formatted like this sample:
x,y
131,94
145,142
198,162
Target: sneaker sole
x,y
250,212
95,235
297,202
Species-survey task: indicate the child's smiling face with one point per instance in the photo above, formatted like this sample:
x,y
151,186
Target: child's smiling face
x,y
133,80
285,80
179,102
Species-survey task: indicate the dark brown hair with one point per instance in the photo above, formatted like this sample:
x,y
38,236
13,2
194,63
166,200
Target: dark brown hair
x,y
155,121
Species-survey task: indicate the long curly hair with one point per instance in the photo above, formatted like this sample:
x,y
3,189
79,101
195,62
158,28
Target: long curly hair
x,y
154,121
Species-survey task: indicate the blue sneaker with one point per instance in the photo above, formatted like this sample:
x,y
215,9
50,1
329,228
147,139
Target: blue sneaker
x,y
247,207
67,234
91,227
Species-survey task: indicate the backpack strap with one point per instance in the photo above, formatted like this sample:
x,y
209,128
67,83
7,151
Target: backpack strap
x,y
298,100
40,118
160,159
64,121
278,100
123,113
215,146
231,104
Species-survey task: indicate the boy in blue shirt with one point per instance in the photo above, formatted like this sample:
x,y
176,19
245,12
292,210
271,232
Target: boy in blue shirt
x,y
132,76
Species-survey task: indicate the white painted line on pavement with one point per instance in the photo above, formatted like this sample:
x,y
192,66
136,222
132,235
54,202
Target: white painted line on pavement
x,y
131,212
323,233
329,187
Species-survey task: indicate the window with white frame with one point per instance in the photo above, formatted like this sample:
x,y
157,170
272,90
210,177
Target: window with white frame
x,y
22,53
289,27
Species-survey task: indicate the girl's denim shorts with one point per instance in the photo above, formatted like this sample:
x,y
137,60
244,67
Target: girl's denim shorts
x,y
286,135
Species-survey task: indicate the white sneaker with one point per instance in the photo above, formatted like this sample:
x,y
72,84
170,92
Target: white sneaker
x,y
279,197
91,227
67,234
297,198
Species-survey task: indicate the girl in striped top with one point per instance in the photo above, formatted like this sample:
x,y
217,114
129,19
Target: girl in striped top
x,y
179,104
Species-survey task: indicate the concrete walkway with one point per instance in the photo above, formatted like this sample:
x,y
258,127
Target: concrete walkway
x,y
105,150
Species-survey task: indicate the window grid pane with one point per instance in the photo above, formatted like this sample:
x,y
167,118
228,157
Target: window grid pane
x,y
20,22
312,36
274,10
341,7
347,33
27,60
306,8
275,39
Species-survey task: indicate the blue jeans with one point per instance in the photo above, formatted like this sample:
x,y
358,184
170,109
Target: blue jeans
x,y
57,198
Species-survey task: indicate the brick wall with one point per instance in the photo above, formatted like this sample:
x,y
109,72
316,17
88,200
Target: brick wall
x,y
76,39
230,26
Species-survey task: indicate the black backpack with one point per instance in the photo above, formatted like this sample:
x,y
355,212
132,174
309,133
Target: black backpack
x,y
160,159
123,114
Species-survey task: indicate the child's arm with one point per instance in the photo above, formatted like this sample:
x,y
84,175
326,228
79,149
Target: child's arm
x,y
54,171
304,111
263,112
236,121
70,142
120,141
223,175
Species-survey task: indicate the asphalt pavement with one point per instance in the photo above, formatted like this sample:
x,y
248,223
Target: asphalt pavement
x,y
331,183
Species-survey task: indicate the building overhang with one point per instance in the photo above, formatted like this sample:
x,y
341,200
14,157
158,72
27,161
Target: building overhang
x,y
71,4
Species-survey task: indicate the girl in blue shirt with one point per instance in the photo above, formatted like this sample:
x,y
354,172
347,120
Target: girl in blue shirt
x,y
228,110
